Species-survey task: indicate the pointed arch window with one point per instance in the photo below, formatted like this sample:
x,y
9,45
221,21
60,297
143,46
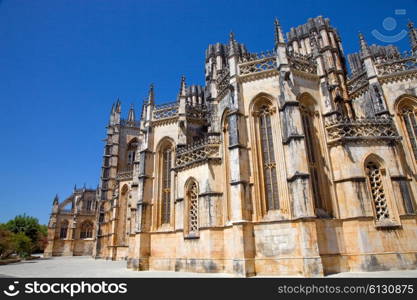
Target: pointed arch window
x,y
312,155
166,182
267,157
376,185
408,116
226,144
192,225
86,230
63,230
89,204
131,152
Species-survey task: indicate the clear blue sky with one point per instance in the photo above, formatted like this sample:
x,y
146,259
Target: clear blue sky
x,y
63,63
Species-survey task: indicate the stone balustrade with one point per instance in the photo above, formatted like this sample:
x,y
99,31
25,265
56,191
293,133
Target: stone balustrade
x,y
343,130
125,174
302,63
393,64
252,63
198,152
356,81
166,110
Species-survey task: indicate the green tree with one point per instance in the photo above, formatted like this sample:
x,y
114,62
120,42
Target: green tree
x,y
30,227
26,224
23,244
43,229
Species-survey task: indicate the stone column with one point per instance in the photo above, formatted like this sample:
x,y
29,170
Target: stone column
x,y
243,256
139,254
298,177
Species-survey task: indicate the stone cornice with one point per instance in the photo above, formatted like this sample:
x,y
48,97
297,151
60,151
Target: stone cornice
x,y
257,76
306,75
163,122
400,76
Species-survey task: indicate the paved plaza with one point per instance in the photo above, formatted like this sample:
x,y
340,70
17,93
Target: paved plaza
x,y
83,266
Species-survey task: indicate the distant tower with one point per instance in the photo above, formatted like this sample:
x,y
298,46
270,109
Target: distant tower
x,y
111,152
327,42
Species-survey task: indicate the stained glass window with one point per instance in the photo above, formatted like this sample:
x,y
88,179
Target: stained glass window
x,y
311,154
86,230
166,185
408,115
64,230
268,158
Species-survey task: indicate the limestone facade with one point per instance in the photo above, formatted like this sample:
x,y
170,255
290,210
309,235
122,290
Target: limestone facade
x,y
71,228
284,163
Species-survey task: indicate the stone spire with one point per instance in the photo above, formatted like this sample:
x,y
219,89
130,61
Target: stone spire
x,y
232,44
231,36
280,46
151,95
183,91
364,48
115,113
367,59
56,199
112,114
131,115
412,33
118,106
182,121
279,36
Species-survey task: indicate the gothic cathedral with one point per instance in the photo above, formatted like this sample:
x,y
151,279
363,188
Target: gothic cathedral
x,y
284,163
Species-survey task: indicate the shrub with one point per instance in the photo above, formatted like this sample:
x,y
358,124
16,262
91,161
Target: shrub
x,y
23,235
22,245
6,243
31,228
